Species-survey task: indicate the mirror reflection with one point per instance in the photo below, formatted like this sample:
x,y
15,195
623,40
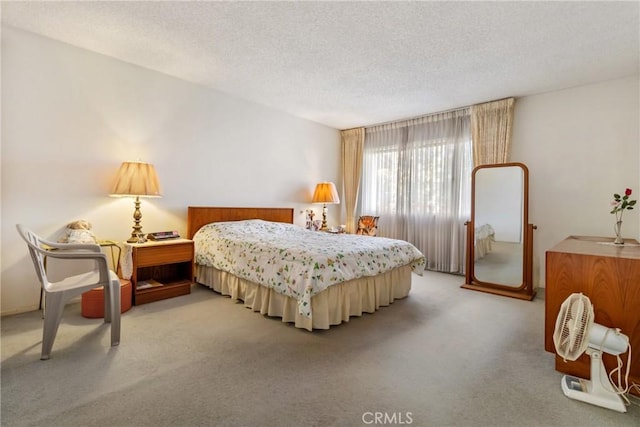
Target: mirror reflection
x,y
499,239
499,225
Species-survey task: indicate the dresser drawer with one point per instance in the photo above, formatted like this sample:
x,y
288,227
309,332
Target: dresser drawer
x,y
163,254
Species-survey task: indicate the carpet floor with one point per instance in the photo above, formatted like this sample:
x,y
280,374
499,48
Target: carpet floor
x,y
444,356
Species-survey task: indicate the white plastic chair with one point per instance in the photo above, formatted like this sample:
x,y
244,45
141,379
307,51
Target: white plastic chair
x,y
57,294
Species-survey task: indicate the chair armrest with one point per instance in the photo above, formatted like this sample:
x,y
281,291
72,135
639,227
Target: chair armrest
x,y
93,247
74,254
68,255
71,250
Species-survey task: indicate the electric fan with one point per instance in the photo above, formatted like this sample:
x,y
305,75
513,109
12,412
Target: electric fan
x,y
576,332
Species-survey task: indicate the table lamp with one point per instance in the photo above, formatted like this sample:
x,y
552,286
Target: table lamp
x,y
325,193
136,179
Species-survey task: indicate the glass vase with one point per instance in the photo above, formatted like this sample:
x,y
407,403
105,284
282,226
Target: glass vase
x,y
618,230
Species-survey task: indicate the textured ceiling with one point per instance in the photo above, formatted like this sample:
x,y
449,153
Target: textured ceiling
x,y
349,64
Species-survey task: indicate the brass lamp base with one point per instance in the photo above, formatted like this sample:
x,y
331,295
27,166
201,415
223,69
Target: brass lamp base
x,y
324,226
137,228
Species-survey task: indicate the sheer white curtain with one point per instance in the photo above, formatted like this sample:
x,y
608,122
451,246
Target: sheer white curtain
x,y
416,176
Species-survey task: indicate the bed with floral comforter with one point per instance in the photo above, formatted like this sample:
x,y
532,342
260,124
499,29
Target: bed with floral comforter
x,y
485,235
300,264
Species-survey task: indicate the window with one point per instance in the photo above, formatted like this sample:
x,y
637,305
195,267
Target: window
x,y
416,176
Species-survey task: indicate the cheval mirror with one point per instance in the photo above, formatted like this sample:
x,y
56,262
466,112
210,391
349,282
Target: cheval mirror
x,y
499,247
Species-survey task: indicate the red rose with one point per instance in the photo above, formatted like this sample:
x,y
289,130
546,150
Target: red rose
x,y
627,192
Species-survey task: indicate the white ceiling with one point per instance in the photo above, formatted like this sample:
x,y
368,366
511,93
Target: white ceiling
x,y
349,64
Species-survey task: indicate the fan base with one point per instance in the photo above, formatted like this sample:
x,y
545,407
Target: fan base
x,y
590,392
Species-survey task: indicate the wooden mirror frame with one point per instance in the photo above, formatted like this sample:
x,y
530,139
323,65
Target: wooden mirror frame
x,y
526,290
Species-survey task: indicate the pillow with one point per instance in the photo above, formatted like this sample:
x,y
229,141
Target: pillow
x,y
367,225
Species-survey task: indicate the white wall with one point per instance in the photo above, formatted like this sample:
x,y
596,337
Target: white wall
x,y
70,117
498,202
581,145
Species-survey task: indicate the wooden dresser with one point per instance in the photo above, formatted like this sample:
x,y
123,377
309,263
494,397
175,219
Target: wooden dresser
x,y
610,276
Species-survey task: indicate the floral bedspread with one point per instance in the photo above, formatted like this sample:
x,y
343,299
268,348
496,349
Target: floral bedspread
x,y
297,262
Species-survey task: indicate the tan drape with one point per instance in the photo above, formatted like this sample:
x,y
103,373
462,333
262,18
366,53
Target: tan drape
x,y
491,131
352,149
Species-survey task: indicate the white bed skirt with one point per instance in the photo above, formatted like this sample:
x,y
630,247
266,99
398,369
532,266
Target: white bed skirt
x,y
330,307
483,247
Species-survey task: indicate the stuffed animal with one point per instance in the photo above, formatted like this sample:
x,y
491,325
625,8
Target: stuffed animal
x,y
78,232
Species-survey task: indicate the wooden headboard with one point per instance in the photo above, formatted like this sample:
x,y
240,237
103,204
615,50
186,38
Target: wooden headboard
x,y
197,216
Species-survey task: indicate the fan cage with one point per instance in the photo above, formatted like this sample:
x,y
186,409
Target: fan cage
x,y
572,326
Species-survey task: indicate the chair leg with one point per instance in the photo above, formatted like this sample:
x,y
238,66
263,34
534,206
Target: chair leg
x,y
107,302
53,314
114,311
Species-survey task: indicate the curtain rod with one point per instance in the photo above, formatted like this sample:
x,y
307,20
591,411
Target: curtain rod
x,y
416,118
425,115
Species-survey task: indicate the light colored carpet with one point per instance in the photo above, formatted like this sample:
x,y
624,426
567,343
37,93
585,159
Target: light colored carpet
x,y
444,356
502,265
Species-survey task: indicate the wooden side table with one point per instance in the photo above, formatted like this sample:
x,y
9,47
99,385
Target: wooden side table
x,y
161,269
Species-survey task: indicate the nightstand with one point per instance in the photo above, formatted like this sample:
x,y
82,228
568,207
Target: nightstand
x,y
161,270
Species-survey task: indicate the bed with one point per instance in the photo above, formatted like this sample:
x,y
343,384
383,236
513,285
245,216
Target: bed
x,y
325,294
485,236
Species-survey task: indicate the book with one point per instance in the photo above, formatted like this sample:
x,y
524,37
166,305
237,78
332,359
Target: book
x,y
146,284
